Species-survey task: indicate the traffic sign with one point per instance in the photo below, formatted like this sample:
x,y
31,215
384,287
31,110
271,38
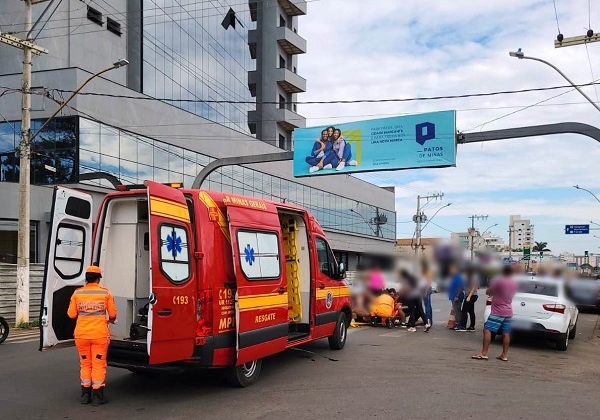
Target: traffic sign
x,y
577,229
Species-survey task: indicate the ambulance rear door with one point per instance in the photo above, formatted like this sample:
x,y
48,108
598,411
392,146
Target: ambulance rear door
x,y
261,289
68,254
173,294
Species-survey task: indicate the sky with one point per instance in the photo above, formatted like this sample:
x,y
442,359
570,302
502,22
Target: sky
x,y
410,48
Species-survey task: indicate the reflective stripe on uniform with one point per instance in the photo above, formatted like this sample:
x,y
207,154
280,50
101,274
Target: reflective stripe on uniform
x,y
82,313
91,292
86,382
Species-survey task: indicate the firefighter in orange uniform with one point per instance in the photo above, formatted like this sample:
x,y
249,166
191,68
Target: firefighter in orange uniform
x,y
90,304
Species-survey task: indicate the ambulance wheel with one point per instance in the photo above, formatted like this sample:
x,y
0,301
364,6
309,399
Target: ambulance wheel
x,y
338,340
244,375
4,329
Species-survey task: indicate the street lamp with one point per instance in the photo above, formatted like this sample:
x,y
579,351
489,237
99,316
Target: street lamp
x,y
593,195
23,247
521,56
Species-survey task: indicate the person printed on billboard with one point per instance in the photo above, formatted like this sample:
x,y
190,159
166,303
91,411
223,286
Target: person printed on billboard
x,y
320,148
342,152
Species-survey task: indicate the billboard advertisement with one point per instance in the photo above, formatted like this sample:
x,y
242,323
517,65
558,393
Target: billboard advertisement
x,y
386,144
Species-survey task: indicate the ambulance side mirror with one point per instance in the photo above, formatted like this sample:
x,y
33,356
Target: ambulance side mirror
x,y
342,271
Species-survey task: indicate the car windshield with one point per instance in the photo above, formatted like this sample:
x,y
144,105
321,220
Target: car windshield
x,y
535,288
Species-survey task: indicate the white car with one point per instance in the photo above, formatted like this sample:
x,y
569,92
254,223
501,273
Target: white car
x,y
542,309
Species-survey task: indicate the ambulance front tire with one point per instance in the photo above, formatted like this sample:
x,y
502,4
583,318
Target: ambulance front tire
x,y
338,340
244,375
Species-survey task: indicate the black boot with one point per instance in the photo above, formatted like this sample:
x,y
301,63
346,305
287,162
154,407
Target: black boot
x,y
98,397
86,394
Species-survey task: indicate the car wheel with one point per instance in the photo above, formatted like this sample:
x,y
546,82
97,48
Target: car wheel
x,y
244,375
573,332
338,340
563,342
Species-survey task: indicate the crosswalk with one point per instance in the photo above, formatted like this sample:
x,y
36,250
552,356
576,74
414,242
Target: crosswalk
x,y
17,336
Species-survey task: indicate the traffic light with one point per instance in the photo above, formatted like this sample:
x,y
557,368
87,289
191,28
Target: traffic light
x,y
586,254
541,254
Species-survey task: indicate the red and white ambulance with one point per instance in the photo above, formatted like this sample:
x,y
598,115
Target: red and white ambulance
x,y
199,277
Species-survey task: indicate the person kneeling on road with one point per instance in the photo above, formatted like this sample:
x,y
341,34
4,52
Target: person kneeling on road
x,y
383,308
89,305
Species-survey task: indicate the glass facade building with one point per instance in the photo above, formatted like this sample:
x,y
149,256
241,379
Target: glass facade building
x,y
98,147
190,56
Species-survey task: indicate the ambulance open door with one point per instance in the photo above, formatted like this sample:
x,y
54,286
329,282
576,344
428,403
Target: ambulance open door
x,y
68,254
173,295
261,290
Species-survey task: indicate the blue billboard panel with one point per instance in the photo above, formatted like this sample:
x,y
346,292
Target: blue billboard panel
x,y
577,229
386,144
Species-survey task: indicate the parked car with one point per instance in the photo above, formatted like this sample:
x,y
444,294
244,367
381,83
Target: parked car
x,y
542,309
585,292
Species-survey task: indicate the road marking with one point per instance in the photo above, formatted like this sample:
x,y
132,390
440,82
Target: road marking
x,y
19,337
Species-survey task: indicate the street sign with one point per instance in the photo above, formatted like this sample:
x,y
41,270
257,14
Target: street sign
x,y
577,229
526,253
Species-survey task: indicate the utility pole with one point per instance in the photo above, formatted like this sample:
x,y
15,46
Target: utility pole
x,y
29,48
419,218
510,231
472,231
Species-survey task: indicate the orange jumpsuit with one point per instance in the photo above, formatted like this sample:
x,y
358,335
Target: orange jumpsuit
x,y
384,307
89,304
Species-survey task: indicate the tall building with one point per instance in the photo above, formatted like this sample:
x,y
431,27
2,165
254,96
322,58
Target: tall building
x,y
182,102
520,232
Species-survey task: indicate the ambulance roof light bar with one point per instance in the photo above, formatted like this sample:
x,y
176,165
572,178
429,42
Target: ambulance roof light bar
x,y
129,187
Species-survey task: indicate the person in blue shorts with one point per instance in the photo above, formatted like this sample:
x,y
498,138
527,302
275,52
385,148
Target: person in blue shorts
x,y
502,290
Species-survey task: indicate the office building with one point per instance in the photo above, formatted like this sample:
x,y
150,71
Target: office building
x,y
520,232
183,101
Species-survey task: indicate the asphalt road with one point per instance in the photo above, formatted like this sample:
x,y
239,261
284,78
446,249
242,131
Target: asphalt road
x,y
381,374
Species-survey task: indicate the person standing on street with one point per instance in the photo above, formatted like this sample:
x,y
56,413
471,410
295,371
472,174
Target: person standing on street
x,y
414,301
456,295
468,308
89,305
427,279
502,291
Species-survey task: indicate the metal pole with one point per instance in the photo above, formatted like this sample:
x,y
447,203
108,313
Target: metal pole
x,y
22,296
524,57
418,235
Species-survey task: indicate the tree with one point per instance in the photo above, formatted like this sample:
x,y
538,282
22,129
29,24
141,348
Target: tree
x,y
541,247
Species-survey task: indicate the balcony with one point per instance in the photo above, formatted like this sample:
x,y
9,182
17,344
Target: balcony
x,y
253,6
293,7
289,81
289,120
252,42
253,81
290,41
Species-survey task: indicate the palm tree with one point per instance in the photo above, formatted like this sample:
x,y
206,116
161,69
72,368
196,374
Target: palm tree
x,y
540,247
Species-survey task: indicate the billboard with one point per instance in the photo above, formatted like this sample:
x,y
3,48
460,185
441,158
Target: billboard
x,y
386,144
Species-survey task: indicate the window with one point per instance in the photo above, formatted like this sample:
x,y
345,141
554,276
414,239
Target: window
x,y
281,21
9,240
281,102
77,207
69,250
174,252
94,15
538,288
281,62
259,254
327,264
281,141
113,26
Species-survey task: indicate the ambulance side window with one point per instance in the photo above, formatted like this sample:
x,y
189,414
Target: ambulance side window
x,y
174,252
259,254
69,250
327,263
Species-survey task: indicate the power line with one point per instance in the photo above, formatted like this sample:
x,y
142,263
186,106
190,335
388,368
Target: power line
x,y
556,14
329,102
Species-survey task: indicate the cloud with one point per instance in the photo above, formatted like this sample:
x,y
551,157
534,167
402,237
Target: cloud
x,y
394,49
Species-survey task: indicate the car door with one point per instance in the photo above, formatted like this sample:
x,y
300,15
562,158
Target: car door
x,y
173,300
261,290
327,284
69,252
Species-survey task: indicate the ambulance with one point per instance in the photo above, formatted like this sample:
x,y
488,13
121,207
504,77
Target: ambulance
x,y
199,278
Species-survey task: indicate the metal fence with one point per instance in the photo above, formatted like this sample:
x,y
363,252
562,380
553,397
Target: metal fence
x,y
8,290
